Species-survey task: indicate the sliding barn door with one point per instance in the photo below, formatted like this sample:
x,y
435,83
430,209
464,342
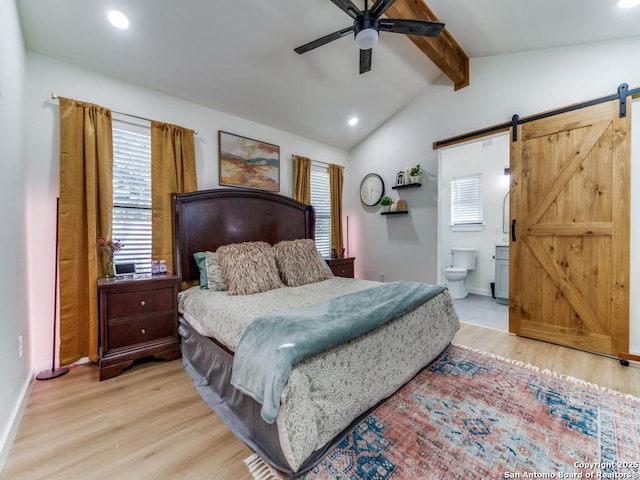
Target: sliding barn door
x,y
569,255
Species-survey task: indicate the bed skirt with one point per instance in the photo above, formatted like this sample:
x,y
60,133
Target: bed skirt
x,y
209,366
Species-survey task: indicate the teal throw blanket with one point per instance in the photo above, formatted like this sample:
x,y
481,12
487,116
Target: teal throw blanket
x,y
274,343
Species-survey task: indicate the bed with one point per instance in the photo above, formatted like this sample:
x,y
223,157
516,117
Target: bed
x,y
324,394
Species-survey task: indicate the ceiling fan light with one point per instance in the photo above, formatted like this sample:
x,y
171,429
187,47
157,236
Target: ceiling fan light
x,y
366,38
118,19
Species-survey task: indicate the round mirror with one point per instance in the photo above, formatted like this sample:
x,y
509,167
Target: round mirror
x,y
371,189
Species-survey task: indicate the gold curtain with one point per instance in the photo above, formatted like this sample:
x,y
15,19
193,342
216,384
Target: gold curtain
x,y
173,170
302,179
336,181
86,204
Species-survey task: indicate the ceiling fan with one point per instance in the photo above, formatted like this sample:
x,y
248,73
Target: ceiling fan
x,y
366,25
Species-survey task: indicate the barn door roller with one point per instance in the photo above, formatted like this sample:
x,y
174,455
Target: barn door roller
x,y
623,91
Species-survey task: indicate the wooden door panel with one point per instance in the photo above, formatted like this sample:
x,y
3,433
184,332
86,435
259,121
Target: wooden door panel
x,y
567,336
574,149
555,270
568,122
569,272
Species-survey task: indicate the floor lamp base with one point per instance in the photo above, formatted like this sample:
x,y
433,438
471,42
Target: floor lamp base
x,y
54,373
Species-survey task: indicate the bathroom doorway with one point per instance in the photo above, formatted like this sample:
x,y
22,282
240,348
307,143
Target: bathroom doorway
x,y
488,159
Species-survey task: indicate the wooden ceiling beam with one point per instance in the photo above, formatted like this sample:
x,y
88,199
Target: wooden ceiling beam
x,y
443,50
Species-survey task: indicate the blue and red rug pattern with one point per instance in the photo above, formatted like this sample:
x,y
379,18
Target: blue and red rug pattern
x,y
470,415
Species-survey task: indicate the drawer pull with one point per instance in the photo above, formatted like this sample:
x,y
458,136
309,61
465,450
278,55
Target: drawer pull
x,y
143,331
143,303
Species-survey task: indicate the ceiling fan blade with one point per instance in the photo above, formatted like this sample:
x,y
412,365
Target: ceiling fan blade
x,y
380,7
424,28
348,7
323,40
365,61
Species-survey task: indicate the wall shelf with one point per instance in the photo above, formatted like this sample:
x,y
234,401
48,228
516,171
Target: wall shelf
x,y
410,185
395,213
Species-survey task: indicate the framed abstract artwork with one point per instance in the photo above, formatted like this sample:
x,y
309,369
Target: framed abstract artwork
x,y
244,162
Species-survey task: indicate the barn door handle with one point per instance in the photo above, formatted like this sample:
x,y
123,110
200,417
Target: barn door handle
x,y
513,230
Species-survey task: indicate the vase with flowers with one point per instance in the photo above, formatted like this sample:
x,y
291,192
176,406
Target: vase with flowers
x,y
109,248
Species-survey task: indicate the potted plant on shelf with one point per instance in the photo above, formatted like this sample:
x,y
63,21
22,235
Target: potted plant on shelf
x,y
415,173
386,203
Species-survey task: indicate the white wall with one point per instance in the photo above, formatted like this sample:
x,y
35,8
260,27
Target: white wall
x,y
524,83
44,76
15,372
488,157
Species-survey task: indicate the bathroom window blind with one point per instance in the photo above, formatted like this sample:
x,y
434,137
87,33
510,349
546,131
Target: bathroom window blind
x,y
466,200
132,194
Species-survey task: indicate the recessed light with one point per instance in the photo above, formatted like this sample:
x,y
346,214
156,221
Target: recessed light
x,y
353,121
118,19
628,3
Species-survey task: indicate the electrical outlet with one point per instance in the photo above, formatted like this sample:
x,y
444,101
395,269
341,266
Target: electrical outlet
x,y
19,346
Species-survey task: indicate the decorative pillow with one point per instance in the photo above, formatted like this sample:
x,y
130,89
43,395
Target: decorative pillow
x,y
326,266
249,267
300,263
211,275
215,277
201,259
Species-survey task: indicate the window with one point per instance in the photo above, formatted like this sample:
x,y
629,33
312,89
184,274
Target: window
x,y
321,201
132,193
466,200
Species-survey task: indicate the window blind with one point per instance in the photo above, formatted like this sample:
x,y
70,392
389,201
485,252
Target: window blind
x,y
132,195
466,200
321,201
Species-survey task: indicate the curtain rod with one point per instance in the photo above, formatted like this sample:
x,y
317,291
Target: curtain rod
x,y
312,160
195,132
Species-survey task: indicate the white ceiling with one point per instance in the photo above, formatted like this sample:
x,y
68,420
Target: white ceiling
x,y
236,56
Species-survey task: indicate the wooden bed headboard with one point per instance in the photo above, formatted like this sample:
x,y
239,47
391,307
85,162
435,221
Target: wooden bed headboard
x,y
207,219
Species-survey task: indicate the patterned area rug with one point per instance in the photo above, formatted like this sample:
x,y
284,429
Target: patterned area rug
x,y
471,415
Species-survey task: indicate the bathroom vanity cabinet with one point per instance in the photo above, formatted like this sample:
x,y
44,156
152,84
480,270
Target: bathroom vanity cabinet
x,y
502,274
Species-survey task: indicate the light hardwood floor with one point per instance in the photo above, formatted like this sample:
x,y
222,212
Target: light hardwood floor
x,y
149,423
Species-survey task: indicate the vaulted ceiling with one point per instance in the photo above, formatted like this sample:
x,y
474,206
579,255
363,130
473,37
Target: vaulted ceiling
x,y
237,56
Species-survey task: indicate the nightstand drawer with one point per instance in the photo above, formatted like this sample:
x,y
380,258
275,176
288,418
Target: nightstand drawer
x,y
142,302
341,267
125,334
343,270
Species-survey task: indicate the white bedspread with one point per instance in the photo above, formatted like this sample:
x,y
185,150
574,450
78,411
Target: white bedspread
x,y
326,392
225,317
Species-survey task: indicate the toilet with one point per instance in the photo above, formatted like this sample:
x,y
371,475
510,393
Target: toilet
x,y
463,260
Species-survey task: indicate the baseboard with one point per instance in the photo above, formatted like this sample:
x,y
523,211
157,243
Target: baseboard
x,y
485,292
9,435
42,365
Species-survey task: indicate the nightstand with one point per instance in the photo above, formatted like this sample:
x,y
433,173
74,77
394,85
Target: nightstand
x,y
138,318
341,267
